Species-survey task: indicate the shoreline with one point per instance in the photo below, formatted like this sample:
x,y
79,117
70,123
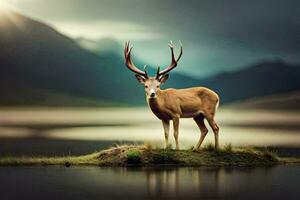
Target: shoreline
x,y
146,156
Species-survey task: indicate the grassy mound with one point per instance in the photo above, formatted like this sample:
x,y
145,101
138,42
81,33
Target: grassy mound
x,y
145,155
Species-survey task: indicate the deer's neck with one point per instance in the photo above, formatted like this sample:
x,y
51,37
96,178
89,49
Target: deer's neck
x,y
156,104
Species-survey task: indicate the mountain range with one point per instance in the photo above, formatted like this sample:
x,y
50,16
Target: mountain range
x,y
40,66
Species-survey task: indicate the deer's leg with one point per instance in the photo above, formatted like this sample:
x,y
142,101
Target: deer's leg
x,y
166,125
200,122
215,128
176,131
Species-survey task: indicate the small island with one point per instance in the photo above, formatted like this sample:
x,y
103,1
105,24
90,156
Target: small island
x,y
146,155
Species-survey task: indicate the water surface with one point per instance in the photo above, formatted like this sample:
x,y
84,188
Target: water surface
x,y
279,182
74,131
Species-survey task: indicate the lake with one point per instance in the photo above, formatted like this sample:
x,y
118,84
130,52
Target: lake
x,y
77,131
279,182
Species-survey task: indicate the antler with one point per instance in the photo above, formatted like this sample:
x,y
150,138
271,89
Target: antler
x,y
173,61
129,62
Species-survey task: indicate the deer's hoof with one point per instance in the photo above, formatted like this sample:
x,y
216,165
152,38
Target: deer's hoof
x,y
196,150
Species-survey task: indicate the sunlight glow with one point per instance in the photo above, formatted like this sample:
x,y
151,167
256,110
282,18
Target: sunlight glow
x,y
105,29
8,18
5,6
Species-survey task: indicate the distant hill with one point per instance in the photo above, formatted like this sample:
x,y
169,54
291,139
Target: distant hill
x,y
285,101
20,94
265,78
34,54
35,58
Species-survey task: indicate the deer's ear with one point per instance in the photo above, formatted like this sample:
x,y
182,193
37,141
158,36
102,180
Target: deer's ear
x,y
140,78
163,78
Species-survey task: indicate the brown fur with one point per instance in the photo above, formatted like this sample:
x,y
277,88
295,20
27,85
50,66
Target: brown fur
x,y
198,103
183,103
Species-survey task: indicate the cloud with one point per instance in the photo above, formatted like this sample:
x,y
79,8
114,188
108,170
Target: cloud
x,y
217,35
108,29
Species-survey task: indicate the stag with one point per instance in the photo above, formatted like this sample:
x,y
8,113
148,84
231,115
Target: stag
x,y
198,103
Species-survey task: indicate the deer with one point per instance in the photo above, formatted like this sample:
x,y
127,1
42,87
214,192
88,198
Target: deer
x,y
198,103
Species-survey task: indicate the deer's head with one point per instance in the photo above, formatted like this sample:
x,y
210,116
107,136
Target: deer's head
x,y
151,84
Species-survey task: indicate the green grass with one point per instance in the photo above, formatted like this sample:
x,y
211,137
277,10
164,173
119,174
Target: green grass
x,y
146,155
133,156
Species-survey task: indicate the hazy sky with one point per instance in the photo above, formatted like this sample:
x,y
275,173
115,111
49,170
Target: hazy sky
x,y
217,35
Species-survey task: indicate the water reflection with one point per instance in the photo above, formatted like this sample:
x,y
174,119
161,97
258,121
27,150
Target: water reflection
x,y
279,182
162,183
179,182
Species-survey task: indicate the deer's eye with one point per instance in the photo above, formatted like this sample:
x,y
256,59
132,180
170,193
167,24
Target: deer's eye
x,y
146,86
